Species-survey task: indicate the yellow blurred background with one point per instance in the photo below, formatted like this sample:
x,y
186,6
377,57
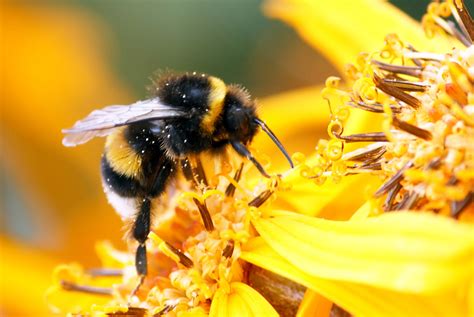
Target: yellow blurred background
x,y
59,61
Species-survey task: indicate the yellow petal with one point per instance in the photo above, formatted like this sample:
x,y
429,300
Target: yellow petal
x,y
257,303
410,252
241,300
358,299
314,304
331,200
342,29
219,306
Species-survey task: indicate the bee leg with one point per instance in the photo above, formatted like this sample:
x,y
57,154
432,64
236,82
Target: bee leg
x,y
141,229
187,169
242,150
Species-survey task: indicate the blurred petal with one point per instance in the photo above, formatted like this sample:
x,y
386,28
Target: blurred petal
x,y
342,29
54,75
24,277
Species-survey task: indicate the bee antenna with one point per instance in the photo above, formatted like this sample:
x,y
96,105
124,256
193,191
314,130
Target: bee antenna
x,y
274,139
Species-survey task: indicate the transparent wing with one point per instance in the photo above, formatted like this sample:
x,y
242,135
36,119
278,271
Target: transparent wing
x,y
101,122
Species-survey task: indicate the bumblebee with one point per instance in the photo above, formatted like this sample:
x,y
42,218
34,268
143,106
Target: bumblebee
x,y
148,141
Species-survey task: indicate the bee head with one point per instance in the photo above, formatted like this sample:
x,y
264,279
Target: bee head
x,y
239,115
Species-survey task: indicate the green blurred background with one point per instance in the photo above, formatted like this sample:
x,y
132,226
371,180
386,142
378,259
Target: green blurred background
x,y
227,38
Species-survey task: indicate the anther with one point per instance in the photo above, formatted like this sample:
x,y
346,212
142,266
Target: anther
x,y
229,249
131,311
457,207
205,215
230,190
164,311
408,201
467,23
363,137
104,272
389,201
406,85
261,198
414,130
367,155
70,286
414,71
200,173
376,107
393,181
183,259
396,92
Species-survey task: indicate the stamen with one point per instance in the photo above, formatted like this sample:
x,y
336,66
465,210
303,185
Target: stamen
x,y
428,56
183,259
393,181
451,29
164,311
415,60
131,311
372,166
261,198
104,272
408,201
364,137
414,130
388,205
170,251
70,286
376,107
414,71
460,35
230,190
465,17
366,154
137,287
205,215
199,172
406,85
457,207
229,249
396,92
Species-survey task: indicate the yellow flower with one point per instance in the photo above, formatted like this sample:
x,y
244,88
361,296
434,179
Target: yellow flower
x,y
405,245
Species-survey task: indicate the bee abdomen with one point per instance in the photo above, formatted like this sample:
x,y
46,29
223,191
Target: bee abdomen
x,y
121,184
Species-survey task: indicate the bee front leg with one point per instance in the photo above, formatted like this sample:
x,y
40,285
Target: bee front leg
x,y
242,150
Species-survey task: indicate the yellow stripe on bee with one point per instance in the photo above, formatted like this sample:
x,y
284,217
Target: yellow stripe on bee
x,y
121,156
215,101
